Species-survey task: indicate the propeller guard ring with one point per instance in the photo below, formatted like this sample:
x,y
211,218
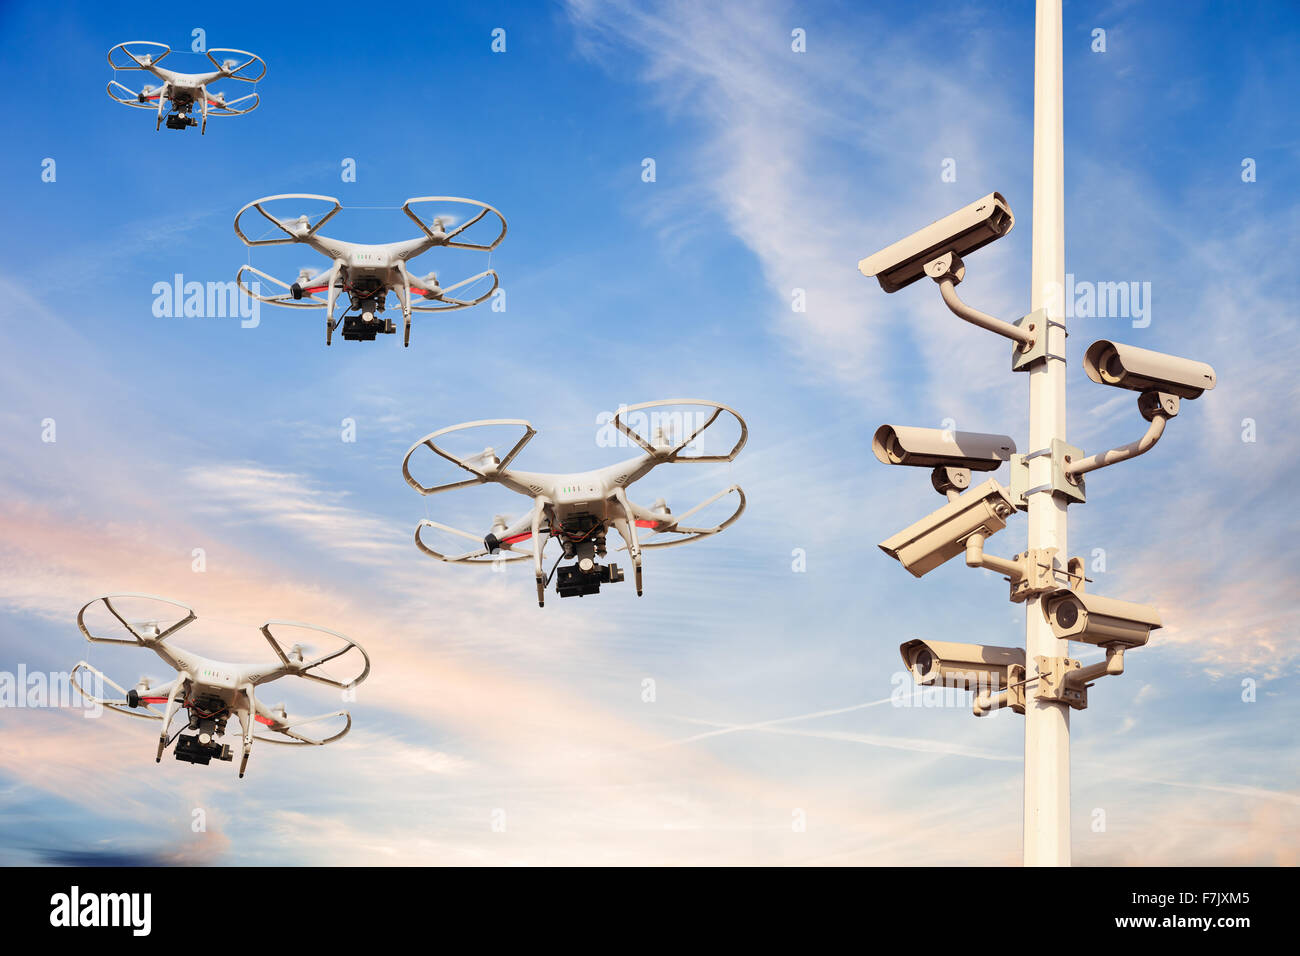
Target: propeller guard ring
x,y
619,422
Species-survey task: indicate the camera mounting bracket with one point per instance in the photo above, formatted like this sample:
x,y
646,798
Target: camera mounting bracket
x,y
1069,486
1067,680
1026,355
1012,696
1039,569
1055,681
950,481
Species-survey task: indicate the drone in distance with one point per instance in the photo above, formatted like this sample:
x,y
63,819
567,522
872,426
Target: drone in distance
x,y
211,691
579,509
182,91
366,274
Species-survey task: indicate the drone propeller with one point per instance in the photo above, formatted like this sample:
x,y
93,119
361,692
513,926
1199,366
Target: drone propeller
x,y
129,97
300,661
666,449
468,464
446,226
441,299
308,300
278,721
485,461
141,60
295,230
233,68
121,704
143,634
480,555
654,520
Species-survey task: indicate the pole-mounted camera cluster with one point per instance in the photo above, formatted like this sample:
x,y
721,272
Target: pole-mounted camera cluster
x,y
973,514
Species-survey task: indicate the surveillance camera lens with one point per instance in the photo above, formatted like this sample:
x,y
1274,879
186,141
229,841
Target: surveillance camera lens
x,y
922,662
1112,369
1067,613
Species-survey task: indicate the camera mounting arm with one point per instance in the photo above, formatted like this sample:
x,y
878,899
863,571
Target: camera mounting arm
x,y
976,558
948,270
1112,666
1157,408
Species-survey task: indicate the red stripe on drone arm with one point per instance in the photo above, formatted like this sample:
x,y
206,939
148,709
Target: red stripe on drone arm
x,y
263,720
515,539
154,700
643,523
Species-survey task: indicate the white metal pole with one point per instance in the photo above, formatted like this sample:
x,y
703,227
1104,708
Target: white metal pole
x,y
1047,725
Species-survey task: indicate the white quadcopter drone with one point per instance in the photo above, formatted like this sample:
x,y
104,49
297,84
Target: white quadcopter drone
x,y
578,509
367,273
212,691
182,91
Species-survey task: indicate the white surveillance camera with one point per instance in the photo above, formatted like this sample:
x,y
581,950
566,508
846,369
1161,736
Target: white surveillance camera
x,y
1126,366
1093,619
942,534
935,448
966,230
964,666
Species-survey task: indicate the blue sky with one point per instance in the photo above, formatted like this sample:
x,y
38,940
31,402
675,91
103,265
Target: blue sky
x,y
775,171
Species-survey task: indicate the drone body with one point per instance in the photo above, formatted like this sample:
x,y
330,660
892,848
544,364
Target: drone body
x,y
367,273
578,509
180,95
212,691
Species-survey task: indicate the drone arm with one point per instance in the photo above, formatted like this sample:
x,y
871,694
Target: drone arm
x,y
442,302
139,639
279,726
284,298
229,107
139,63
479,477
122,706
301,670
289,235
136,100
469,557
674,454
233,73
445,239
674,525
